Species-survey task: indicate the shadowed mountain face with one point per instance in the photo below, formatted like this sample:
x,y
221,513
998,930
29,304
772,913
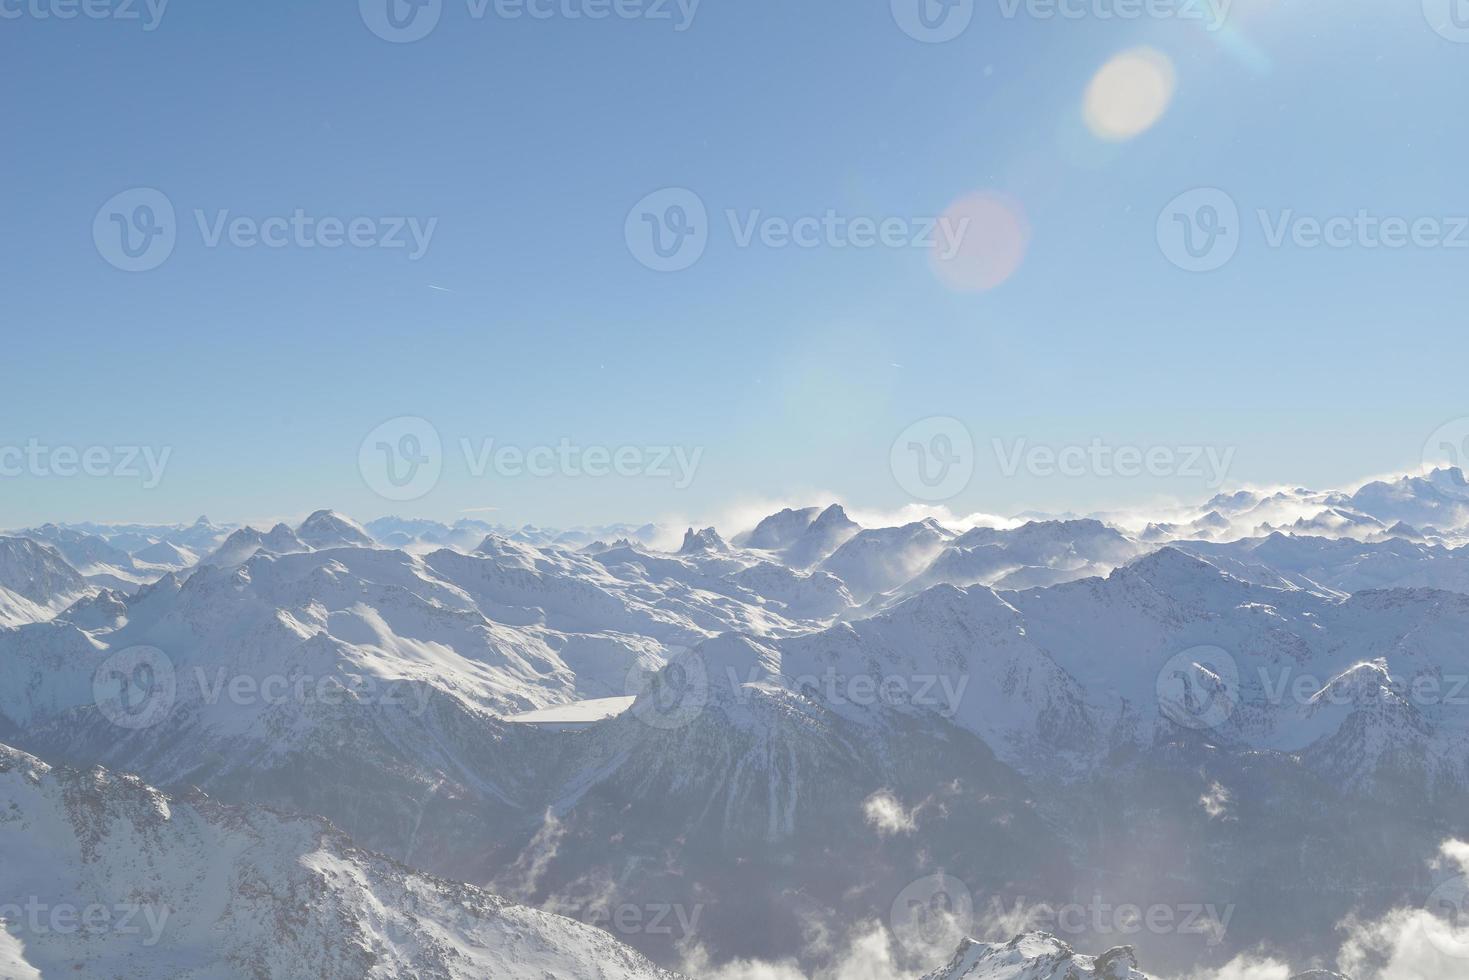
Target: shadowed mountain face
x,y
36,583
1208,732
191,888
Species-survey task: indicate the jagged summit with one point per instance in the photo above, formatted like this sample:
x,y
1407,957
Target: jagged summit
x,y
787,528
780,530
244,544
702,542
600,547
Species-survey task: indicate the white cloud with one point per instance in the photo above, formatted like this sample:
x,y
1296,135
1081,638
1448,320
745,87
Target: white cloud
x,y
697,964
523,879
1417,943
1248,968
887,816
1216,801
869,954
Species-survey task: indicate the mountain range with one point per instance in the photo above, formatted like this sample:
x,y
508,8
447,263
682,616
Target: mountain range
x,y
1254,714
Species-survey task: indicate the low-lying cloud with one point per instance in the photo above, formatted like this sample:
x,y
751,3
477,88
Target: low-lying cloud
x,y
1405,944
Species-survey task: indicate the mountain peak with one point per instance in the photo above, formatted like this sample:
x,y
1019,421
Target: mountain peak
x,y
1362,683
1036,956
835,515
1169,567
702,542
779,530
1213,519
328,529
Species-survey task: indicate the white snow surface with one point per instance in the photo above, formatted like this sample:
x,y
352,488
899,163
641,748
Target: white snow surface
x,y
192,890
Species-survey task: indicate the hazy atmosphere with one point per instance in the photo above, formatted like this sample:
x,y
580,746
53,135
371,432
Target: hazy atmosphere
x,y
695,490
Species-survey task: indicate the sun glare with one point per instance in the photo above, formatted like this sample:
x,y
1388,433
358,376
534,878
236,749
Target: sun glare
x,y
1129,94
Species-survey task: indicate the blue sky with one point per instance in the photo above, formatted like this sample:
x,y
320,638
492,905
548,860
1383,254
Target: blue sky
x,y
791,371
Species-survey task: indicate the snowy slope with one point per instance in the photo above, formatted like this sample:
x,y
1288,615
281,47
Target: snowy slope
x,y
327,529
802,537
1035,554
1340,564
820,713
36,583
244,544
166,555
880,559
98,561
191,889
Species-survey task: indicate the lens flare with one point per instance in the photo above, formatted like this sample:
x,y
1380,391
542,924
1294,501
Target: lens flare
x,y
981,241
1129,94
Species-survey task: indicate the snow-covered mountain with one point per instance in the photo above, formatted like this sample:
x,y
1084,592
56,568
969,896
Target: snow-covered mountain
x,y
327,529
1434,504
1439,499
803,537
1037,956
702,542
1041,956
1034,554
880,559
107,877
127,556
794,723
464,534
36,583
166,554
1340,565
96,559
